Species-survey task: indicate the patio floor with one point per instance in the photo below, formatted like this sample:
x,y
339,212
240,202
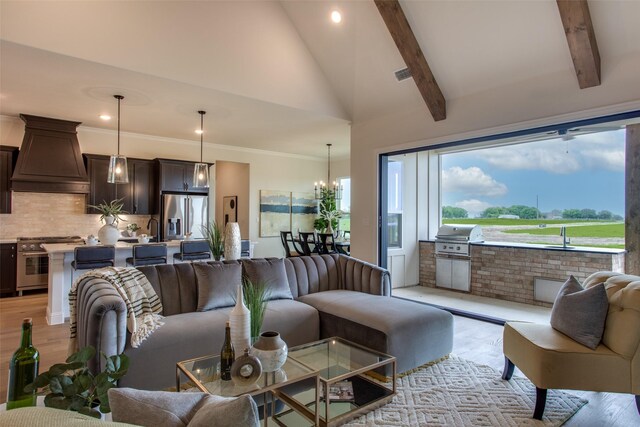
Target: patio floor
x,y
490,307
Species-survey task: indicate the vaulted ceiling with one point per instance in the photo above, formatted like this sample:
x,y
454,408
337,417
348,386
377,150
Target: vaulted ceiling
x,y
276,75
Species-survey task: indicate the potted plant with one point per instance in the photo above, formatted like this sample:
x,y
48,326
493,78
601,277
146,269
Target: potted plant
x,y
256,296
329,214
110,214
214,236
71,385
133,229
112,209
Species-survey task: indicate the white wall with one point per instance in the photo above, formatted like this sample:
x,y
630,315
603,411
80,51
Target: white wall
x,y
549,99
233,179
268,170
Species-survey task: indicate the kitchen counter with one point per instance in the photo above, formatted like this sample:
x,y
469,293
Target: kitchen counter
x,y
569,248
61,274
14,240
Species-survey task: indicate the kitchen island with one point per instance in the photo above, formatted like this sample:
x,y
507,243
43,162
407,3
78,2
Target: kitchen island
x,y
61,272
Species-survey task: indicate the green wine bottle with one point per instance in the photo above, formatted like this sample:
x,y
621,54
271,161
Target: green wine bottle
x,y
23,369
227,355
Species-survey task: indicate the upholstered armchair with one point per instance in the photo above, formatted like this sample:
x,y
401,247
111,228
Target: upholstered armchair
x,y
552,360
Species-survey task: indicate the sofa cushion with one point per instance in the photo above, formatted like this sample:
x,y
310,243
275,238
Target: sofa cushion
x,y
217,284
188,335
580,313
270,272
414,333
171,409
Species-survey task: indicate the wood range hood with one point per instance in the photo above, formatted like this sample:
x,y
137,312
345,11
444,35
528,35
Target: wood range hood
x,y
50,160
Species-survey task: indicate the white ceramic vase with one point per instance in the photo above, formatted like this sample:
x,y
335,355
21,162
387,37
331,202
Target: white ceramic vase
x,y
109,233
240,323
232,241
271,350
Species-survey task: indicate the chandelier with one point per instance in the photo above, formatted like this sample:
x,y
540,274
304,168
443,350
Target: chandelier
x,y
323,186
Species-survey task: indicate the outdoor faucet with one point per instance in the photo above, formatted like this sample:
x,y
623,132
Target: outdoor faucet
x,y
563,233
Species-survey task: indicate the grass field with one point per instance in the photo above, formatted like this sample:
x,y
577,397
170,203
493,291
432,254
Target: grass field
x,y
504,221
604,230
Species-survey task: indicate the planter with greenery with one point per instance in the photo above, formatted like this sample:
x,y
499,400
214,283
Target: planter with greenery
x,y
133,229
256,296
110,209
329,213
71,385
215,237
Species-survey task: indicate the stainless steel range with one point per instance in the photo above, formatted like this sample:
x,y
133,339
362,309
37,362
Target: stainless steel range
x,y
453,260
33,261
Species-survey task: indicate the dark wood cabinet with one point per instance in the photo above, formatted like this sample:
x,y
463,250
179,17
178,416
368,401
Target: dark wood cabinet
x,y
177,175
138,195
8,157
8,268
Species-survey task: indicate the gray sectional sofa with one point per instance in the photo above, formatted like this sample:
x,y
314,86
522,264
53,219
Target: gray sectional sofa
x,y
314,297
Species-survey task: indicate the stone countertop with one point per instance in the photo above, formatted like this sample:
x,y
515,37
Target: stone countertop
x,y
53,248
14,240
569,248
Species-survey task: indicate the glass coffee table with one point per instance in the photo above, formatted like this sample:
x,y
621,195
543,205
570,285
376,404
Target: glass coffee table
x,y
351,377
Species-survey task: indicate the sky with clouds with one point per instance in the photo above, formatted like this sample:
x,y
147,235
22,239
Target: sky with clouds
x,y
584,172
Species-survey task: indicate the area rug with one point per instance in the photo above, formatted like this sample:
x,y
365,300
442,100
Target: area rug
x,y
458,392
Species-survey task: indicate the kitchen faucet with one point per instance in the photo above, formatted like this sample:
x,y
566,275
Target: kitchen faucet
x,y
565,240
157,228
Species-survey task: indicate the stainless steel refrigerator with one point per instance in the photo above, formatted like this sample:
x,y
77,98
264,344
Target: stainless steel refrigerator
x,y
182,214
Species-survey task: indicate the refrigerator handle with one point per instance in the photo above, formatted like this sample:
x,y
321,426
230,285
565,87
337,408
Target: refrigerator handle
x,y
187,222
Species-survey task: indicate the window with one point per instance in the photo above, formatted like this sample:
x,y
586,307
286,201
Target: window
x,y
394,204
524,191
344,204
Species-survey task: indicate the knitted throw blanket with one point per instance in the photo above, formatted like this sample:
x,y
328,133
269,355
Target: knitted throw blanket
x,y
143,304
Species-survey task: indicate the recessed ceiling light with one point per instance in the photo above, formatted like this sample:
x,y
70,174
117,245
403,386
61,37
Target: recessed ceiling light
x,y
336,17
199,131
105,117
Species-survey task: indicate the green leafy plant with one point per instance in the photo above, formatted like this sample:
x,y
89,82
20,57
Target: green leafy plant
x,y
113,208
71,386
329,213
256,296
214,236
133,227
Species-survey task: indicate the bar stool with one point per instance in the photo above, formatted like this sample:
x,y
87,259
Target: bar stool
x,y
148,254
92,257
245,248
193,250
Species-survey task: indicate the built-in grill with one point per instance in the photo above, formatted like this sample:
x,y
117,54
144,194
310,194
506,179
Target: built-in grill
x,y
33,261
453,261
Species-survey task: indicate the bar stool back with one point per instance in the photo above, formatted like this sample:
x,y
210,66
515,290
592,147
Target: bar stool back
x,y
148,254
193,250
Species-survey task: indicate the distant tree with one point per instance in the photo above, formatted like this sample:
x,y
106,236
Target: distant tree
x,y
454,212
571,214
617,218
605,215
588,214
524,212
494,212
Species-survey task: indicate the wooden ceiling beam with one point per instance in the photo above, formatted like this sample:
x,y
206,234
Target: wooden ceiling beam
x,y
581,38
406,42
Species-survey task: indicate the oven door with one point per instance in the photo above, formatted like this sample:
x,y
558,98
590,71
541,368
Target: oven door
x,y
33,270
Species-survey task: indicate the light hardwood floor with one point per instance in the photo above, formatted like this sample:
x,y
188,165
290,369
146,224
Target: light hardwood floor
x,y
473,340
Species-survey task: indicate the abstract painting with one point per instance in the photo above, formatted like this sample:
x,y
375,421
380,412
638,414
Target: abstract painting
x,y
304,210
275,212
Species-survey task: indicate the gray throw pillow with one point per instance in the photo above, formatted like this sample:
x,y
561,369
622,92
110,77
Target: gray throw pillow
x,y
272,273
226,412
217,284
581,313
153,408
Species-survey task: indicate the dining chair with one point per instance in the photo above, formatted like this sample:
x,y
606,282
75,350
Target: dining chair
x,y
326,244
193,250
291,249
148,254
308,242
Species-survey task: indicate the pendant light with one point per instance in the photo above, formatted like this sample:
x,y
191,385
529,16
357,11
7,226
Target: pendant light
x,y
118,171
337,189
201,170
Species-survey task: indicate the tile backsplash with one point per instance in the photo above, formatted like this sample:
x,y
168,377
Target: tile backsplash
x,y
52,214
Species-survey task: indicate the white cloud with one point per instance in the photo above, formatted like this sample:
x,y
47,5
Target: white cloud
x,y
473,206
471,181
595,151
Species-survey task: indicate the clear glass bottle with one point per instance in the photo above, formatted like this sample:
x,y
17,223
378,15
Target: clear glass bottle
x,y
227,355
23,370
